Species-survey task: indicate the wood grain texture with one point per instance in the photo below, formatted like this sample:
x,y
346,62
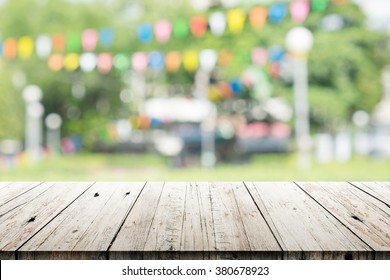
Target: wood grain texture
x,y
198,234
303,228
379,190
131,239
89,224
11,191
365,215
167,226
194,220
230,233
33,210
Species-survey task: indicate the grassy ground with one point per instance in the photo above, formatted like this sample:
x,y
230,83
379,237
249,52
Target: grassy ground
x,y
86,167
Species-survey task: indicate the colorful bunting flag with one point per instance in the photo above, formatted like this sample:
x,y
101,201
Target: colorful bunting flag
x,y
277,12
121,62
162,30
73,42
58,42
90,39
43,46
299,10
156,61
145,32
10,48
25,47
55,62
106,36
319,5
172,61
236,20
88,62
198,26
104,63
140,61
71,62
181,28
217,22
258,17
190,61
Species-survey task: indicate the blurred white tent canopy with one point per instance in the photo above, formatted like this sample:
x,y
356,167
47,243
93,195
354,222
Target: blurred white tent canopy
x,y
179,109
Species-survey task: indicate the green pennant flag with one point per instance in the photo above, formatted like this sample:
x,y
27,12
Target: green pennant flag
x,y
319,5
73,42
121,62
180,28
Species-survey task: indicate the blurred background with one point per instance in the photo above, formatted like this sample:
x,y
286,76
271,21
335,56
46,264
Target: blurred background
x,y
195,90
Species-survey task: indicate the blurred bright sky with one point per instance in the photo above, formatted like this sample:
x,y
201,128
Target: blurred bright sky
x,y
378,12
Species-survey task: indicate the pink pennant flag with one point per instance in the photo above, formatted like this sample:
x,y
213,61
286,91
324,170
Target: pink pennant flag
x,y
105,62
163,30
299,10
90,38
140,61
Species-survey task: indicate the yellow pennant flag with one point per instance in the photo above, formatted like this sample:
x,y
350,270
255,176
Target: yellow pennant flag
x,y
236,20
71,62
190,61
25,47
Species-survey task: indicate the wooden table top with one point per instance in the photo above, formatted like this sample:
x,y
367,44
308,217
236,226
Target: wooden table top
x,y
181,220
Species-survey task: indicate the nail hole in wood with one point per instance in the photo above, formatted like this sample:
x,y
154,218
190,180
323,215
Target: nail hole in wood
x,y
32,219
356,218
96,194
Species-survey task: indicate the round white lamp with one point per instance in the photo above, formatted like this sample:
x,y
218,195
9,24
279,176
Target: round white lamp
x,y
299,41
32,93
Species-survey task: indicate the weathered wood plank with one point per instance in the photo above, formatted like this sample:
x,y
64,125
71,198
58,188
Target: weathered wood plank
x,y
167,227
366,216
230,234
12,190
303,228
4,184
27,214
198,229
131,239
88,225
379,190
265,245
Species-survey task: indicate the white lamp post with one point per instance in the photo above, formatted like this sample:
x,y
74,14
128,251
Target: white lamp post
x,y
32,94
299,42
53,133
208,60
